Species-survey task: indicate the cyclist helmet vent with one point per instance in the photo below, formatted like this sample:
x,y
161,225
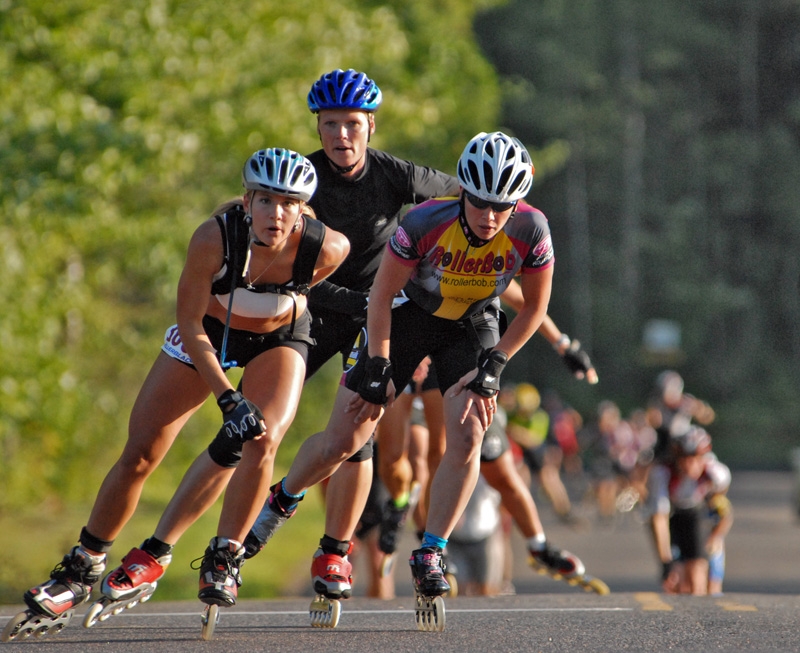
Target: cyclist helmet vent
x,y
344,89
496,168
281,171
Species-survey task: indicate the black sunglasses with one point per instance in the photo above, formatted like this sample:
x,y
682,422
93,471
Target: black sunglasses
x,y
497,207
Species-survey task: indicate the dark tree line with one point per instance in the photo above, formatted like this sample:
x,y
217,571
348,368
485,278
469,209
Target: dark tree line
x,y
668,166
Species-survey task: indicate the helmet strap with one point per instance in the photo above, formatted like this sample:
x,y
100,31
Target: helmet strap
x,y
339,169
472,239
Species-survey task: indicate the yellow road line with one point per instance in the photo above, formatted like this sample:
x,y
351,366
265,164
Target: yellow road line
x,y
732,606
651,601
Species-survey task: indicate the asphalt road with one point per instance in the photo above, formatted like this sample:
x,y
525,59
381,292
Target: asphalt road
x,y
758,611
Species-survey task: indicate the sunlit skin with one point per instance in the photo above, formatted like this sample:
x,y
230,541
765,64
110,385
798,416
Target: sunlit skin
x,y
344,135
485,223
274,216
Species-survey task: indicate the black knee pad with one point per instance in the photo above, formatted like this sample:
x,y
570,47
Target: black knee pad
x,y
364,453
224,451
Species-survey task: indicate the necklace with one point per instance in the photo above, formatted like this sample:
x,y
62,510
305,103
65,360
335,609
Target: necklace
x,y
246,273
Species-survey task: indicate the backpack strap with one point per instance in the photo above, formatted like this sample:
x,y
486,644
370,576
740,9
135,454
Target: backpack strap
x,y
307,254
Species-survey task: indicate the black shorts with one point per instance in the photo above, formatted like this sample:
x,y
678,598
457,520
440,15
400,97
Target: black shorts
x,y
686,533
453,345
334,333
244,346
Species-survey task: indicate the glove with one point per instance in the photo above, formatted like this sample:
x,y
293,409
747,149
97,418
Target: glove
x,y
491,364
241,418
375,381
666,569
576,359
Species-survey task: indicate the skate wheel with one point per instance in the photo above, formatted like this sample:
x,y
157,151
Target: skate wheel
x,y
598,587
452,581
324,612
132,604
41,630
438,614
209,620
14,628
430,614
93,615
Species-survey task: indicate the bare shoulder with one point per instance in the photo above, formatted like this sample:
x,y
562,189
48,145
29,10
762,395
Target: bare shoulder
x,y
205,246
335,247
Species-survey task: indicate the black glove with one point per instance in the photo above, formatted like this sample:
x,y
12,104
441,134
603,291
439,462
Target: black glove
x,y
375,381
241,418
576,359
666,569
491,364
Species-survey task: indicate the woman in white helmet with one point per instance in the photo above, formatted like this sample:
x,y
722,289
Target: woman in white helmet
x,y
453,257
241,301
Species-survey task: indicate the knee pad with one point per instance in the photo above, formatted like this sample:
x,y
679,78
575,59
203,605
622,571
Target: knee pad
x,y
224,451
364,453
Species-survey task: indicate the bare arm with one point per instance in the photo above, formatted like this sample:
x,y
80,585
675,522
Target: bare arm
x,y
334,251
194,288
560,341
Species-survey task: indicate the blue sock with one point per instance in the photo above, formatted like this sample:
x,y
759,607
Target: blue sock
x,y
429,540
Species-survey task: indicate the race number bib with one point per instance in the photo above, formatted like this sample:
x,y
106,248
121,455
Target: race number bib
x,y
173,346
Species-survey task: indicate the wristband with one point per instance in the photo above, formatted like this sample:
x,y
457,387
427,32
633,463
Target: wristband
x,y
563,342
375,381
491,364
228,400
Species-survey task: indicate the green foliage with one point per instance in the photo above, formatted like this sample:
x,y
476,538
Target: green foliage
x,y
121,127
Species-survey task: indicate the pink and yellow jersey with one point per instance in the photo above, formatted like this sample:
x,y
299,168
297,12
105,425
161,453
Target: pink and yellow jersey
x,y
454,279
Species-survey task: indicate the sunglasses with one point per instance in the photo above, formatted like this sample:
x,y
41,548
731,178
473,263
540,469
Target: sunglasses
x,y
497,207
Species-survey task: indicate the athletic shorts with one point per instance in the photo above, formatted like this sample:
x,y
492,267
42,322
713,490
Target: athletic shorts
x,y
243,346
453,345
686,533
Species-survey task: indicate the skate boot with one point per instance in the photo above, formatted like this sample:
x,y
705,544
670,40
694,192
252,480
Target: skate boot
x,y
52,605
563,565
219,572
133,582
269,520
556,563
428,573
331,576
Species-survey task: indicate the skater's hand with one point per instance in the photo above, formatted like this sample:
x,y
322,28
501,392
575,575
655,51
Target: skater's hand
x,y
714,544
366,410
241,418
484,407
374,384
579,363
670,578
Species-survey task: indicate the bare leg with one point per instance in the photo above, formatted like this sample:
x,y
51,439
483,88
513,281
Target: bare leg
x,y
393,435
249,487
171,393
322,454
502,475
346,497
457,474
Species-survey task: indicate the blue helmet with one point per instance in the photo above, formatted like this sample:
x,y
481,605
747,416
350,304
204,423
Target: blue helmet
x,y
344,89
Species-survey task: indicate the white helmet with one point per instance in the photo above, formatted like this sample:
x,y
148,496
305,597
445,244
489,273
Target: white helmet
x,y
281,171
496,168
